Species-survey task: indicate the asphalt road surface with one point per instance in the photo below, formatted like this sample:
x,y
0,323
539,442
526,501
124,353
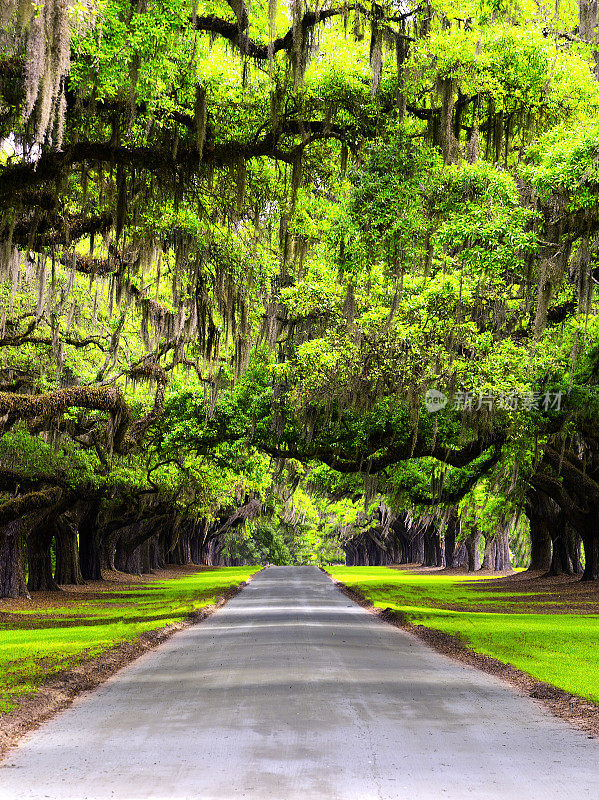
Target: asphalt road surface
x,y
293,692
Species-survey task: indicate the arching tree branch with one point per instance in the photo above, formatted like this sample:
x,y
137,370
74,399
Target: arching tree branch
x,y
28,503
51,404
234,33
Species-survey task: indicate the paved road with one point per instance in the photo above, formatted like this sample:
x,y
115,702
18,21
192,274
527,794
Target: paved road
x,y
292,692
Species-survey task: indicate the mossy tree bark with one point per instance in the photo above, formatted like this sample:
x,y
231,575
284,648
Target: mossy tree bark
x,y
90,558
433,548
471,543
573,486
574,550
12,569
68,570
39,557
536,509
497,555
590,539
452,529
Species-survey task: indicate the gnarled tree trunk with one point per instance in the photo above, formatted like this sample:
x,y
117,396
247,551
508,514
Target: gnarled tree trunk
x,y
574,550
196,542
497,553
561,562
67,569
433,549
452,531
502,553
12,570
90,558
471,543
590,540
39,556
155,554
538,510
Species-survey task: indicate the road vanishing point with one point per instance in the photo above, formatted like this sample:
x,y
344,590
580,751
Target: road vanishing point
x,y
293,692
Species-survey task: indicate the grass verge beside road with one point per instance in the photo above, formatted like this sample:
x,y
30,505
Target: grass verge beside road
x,y
58,632
549,630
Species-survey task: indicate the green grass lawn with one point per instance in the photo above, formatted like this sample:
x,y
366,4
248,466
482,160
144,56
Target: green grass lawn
x,y
516,627
38,641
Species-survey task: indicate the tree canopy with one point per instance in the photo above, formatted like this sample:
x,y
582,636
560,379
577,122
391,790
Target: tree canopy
x,y
244,249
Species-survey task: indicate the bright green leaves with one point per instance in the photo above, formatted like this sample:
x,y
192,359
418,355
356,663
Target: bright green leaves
x,y
389,203
484,228
130,51
565,163
520,70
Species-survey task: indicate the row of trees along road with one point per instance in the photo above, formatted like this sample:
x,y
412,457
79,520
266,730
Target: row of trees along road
x,y
237,247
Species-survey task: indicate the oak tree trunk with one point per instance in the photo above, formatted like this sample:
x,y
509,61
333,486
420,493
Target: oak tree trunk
x,y
90,558
490,553
12,570
145,557
471,542
125,561
39,556
560,558
497,552
460,557
156,553
416,548
195,542
540,546
590,539
67,570
502,554
451,534
433,552
539,511
574,550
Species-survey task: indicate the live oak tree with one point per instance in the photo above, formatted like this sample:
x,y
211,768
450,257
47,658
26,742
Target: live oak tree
x,y
231,237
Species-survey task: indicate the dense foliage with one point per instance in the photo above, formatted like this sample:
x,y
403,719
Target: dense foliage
x,y
244,252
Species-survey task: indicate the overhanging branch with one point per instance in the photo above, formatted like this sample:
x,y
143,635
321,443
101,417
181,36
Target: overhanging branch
x,y
249,47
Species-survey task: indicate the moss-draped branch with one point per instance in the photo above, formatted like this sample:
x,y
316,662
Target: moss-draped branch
x,y
125,434
234,32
